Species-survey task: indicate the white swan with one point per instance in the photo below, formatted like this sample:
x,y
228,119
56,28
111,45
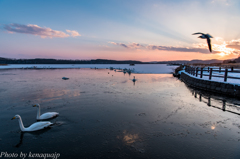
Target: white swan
x,y
34,127
45,116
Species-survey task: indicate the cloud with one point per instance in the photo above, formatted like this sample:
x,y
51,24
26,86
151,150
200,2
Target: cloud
x,y
180,49
38,31
73,32
200,48
233,44
130,46
223,2
219,46
120,44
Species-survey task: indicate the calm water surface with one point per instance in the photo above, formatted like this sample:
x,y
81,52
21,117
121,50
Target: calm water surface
x,y
103,114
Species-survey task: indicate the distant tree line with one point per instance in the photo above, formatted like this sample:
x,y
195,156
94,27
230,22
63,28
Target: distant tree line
x,y
62,61
102,61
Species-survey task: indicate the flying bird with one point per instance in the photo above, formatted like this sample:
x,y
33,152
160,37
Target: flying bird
x,y
205,36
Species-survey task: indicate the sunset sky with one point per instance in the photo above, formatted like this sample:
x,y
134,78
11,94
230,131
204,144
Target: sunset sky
x,y
145,30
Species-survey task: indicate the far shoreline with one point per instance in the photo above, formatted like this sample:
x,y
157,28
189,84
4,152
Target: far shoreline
x,y
137,68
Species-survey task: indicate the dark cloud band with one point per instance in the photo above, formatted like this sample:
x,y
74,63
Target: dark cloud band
x,y
165,48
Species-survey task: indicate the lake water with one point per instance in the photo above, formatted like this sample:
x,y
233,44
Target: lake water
x,y
103,114
138,68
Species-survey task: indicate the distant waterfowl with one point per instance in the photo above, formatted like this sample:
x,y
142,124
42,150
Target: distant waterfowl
x,y
129,72
205,36
134,80
45,116
34,127
65,78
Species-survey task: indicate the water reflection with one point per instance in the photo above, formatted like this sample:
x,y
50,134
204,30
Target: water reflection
x,y
21,139
217,101
128,138
48,95
213,127
35,134
134,83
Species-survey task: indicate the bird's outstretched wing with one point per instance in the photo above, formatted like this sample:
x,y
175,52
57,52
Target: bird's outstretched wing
x,y
197,33
209,44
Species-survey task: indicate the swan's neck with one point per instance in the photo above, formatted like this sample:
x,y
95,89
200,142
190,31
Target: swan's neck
x,y
38,113
21,124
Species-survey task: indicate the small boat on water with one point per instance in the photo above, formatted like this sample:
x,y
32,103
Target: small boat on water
x,y
132,64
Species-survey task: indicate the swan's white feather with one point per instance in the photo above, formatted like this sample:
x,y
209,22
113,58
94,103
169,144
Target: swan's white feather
x,y
38,126
48,115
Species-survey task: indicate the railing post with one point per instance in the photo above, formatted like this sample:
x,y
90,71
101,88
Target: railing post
x,y
208,69
201,72
196,71
225,75
219,69
210,74
209,101
231,69
224,105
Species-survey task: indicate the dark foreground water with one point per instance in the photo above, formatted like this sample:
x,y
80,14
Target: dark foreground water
x,y
106,116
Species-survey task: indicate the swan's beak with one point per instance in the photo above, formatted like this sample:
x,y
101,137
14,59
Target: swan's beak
x,y
34,105
13,118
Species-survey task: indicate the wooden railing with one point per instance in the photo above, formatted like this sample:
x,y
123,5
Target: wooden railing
x,y
196,71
